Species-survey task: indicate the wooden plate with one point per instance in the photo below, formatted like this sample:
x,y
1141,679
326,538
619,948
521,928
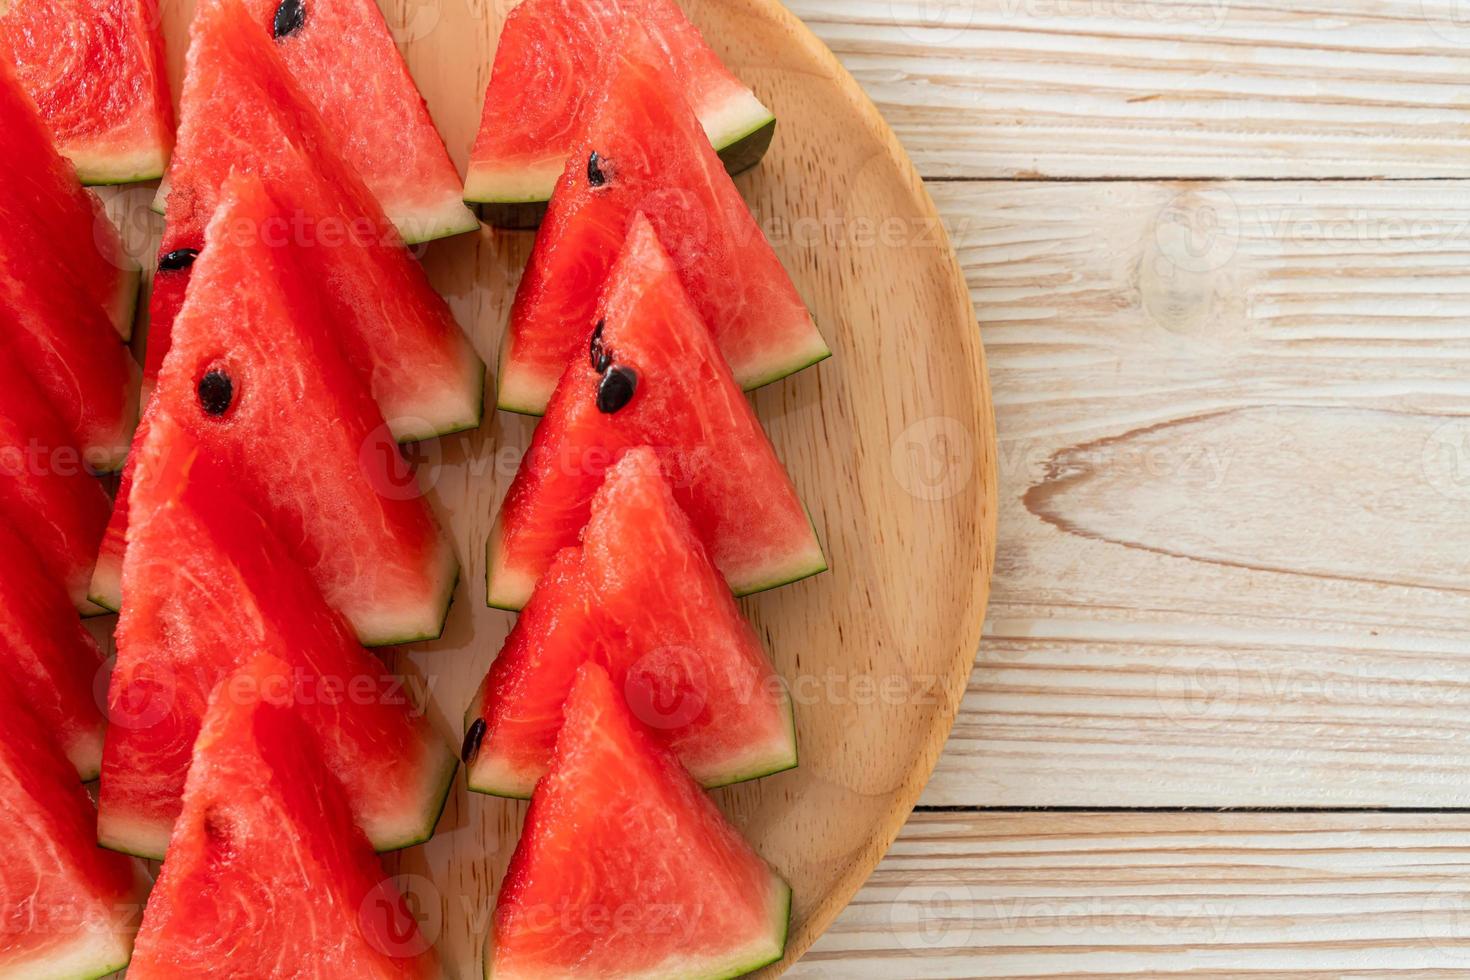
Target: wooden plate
x,y
891,443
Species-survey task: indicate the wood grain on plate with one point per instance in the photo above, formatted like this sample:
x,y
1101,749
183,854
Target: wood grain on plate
x,y
890,443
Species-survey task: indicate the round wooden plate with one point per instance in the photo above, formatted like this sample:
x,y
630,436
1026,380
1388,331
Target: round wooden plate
x,y
891,444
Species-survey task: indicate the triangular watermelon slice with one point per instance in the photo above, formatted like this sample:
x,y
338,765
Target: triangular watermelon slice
x,y
343,62
626,869
244,112
49,656
46,490
340,494
645,151
45,209
208,585
539,100
653,377
96,69
641,599
267,875
67,908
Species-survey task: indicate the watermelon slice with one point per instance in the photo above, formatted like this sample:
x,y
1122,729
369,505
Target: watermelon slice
x,y
540,97
45,488
267,876
344,64
49,656
243,112
645,151
654,377
625,868
67,908
641,599
208,585
96,70
340,494
46,211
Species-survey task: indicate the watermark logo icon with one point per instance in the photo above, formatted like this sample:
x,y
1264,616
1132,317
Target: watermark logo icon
x,y
934,459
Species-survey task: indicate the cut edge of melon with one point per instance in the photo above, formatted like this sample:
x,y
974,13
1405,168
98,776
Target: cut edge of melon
x,y
106,589
457,408
417,626
94,954
522,393
492,776
740,131
814,353
138,837
812,561
761,952
504,589
97,169
439,783
148,840
778,755
123,310
427,224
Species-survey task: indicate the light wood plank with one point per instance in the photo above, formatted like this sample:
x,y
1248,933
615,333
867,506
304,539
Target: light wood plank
x,y
1163,88
1114,895
1235,478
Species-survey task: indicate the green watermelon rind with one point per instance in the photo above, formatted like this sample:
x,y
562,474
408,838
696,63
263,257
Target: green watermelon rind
x,y
513,599
740,147
517,399
737,965
446,603
132,842
507,784
453,218
123,310
103,170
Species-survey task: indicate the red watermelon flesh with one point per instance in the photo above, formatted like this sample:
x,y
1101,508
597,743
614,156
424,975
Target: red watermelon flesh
x,y
651,157
542,93
626,869
641,599
67,908
207,584
50,657
244,112
47,210
96,70
66,345
686,406
46,490
341,495
268,877
345,60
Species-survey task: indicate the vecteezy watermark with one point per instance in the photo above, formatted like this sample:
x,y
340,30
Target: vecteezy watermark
x,y
402,917
152,692
1446,459
935,458
1127,916
1450,19
935,915
1197,691
1208,15
1196,236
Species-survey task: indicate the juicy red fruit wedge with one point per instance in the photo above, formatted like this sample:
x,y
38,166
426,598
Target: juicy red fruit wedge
x,y
267,876
645,151
626,869
641,598
651,375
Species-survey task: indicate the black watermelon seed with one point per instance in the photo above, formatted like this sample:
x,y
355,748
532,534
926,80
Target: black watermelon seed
x,y
472,740
600,356
595,175
290,15
216,392
179,258
616,389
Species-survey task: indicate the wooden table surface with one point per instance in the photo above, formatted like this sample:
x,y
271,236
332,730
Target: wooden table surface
x,y
1220,722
